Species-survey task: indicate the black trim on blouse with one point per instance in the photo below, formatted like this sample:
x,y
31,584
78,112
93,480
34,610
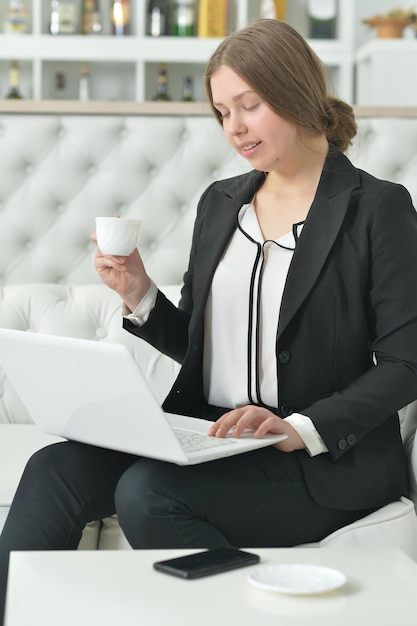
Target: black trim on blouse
x,y
254,319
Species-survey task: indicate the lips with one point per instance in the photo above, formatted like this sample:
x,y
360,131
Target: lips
x,y
249,146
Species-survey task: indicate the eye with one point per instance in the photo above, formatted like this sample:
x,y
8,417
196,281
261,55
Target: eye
x,y
221,115
250,107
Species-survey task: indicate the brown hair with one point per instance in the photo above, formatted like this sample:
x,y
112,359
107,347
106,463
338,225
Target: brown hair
x,y
280,66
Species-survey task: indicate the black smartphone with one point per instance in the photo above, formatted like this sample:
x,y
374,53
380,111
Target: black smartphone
x,y
206,563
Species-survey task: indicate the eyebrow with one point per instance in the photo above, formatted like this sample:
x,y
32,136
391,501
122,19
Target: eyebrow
x,y
236,98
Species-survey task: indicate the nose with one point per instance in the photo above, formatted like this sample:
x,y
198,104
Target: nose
x,y
236,124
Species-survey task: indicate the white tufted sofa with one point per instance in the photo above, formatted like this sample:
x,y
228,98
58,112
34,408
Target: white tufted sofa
x,y
59,170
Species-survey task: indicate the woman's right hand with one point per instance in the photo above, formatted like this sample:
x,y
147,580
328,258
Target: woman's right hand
x,y
125,274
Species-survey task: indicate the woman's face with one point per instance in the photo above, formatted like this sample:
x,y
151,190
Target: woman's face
x,y
256,132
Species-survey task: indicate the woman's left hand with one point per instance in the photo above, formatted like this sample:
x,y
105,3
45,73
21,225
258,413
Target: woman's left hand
x,y
261,421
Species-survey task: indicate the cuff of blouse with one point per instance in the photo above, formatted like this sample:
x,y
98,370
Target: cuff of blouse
x,y
141,314
308,433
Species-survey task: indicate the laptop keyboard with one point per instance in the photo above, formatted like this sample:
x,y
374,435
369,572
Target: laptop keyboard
x,y
192,442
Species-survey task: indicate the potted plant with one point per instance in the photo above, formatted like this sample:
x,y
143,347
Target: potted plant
x,y
392,24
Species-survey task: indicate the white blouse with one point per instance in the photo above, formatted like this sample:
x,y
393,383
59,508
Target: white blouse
x,y
241,316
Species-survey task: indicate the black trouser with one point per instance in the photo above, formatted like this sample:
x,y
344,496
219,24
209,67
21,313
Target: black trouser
x,y
254,499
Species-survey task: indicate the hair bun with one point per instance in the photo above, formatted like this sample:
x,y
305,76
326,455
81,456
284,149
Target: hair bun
x,y
340,123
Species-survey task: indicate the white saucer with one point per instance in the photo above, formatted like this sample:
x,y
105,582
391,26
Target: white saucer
x,y
297,578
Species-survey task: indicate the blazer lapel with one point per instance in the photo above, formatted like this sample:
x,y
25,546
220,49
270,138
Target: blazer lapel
x,y
320,230
227,199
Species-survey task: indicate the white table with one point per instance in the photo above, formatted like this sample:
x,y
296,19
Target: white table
x,y
103,588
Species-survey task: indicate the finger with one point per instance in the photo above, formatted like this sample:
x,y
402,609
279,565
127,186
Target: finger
x,y
222,426
105,262
251,419
272,424
219,428
239,420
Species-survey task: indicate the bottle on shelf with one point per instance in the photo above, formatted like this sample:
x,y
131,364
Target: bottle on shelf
x,y
63,17
322,17
188,89
60,84
161,93
84,83
272,9
158,18
120,17
212,18
184,23
91,21
16,18
14,82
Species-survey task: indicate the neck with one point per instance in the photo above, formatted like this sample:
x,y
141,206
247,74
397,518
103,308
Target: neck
x,y
302,173
288,192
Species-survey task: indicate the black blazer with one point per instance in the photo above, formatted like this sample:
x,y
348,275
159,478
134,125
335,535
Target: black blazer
x,y
347,335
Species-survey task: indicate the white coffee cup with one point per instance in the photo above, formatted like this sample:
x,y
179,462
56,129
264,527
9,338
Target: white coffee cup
x,y
117,235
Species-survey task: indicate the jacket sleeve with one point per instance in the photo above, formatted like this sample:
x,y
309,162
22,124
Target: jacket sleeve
x,y
391,304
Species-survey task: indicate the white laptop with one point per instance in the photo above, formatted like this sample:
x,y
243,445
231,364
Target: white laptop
x,y
95,393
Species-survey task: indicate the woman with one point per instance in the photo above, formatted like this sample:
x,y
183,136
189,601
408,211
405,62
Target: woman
x,y
298,316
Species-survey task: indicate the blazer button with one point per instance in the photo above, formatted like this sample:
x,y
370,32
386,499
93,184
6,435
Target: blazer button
x,y
284,357
342,444
351,439
286,410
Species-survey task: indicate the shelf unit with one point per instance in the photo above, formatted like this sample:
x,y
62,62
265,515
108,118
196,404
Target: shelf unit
x,y
385,72
125,68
